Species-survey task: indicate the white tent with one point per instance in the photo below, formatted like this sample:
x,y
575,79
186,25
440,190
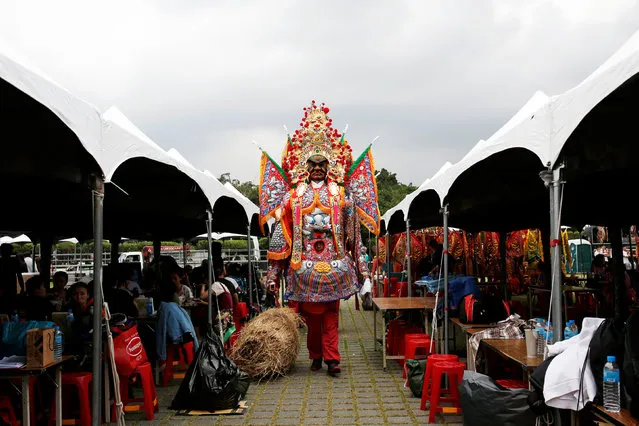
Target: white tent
x,y
212,187
21,239
570,108
81,117
528,128
122,141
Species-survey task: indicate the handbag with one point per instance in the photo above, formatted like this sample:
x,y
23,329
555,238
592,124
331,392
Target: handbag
x,y
128,350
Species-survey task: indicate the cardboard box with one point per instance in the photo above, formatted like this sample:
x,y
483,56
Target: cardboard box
x,y
40,347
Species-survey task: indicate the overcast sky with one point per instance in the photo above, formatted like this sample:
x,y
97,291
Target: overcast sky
x,y
430,78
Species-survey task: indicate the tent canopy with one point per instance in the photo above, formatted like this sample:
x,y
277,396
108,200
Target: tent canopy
x,y
49,152
601,161
153,197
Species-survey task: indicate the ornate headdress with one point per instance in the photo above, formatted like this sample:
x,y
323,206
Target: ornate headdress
x,y
316,136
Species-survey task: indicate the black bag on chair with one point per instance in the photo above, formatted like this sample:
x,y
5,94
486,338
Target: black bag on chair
x,y
213,381
485,403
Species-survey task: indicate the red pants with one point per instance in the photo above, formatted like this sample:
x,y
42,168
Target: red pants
x,y
322,321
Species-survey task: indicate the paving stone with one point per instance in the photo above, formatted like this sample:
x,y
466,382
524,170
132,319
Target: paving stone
x,y
316,420
378,420
232,420
290,420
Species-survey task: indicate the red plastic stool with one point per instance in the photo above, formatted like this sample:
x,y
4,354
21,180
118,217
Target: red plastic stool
x,y
397,344
393,327
82,382
428,375
389,289
411,331
184,353
455,373
413,342
401,290
6,411
150,399
512,384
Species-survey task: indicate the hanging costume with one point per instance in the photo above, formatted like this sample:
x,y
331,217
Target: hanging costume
x,y
316,240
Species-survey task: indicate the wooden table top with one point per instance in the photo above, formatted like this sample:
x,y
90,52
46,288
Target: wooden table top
x,y
566,288
25,371
399,303
465,327
623,417
514,349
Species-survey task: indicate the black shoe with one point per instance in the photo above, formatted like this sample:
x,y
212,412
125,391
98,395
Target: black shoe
x,y
333,368
317,364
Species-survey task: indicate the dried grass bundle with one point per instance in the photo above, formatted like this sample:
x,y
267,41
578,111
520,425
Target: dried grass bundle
x,y
268,346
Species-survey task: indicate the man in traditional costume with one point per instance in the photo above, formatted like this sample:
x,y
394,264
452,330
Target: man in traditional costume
x,y
318,197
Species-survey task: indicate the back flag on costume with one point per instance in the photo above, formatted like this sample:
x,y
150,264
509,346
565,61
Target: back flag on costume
x,y
273,186
363,186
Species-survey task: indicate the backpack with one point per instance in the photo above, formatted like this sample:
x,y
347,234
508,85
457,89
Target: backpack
x,y
630,366
485,309
608,339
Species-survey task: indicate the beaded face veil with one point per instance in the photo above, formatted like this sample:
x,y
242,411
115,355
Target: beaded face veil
x,y
316,138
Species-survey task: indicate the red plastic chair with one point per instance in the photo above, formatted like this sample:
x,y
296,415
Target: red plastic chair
x,y
149,403
401,290
413,343
82,382
428,375
412,331
393,328
179,355
455,373
7,414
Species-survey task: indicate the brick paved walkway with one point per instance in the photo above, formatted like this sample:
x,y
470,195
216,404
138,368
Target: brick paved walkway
x,y
363,395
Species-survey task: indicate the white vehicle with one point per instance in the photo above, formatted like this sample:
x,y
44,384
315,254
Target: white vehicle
x,y
77,272
131,257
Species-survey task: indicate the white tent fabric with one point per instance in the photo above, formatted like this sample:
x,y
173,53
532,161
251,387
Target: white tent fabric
x,y
529,129
82,118
569,109
123,141
72,240
21,239
212,187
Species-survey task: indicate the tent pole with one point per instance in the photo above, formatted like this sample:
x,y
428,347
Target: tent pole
x,y
408,271
388,259
210,268
557,314
445,257
184,253
98,209
248,259
377,266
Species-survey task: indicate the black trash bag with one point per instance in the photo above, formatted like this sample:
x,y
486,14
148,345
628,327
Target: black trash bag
x,y
213,381
416,369
484,402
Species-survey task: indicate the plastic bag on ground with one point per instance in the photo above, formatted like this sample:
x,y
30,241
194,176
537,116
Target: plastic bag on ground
x,y
416,370
213,381
484,402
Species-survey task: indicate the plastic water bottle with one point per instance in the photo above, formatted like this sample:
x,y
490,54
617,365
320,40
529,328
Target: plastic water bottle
x,y
149,306
568,333
58,344
14,316
611,386
575,329
549,332
541,341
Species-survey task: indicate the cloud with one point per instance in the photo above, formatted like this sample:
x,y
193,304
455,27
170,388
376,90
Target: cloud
x,y
430,78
